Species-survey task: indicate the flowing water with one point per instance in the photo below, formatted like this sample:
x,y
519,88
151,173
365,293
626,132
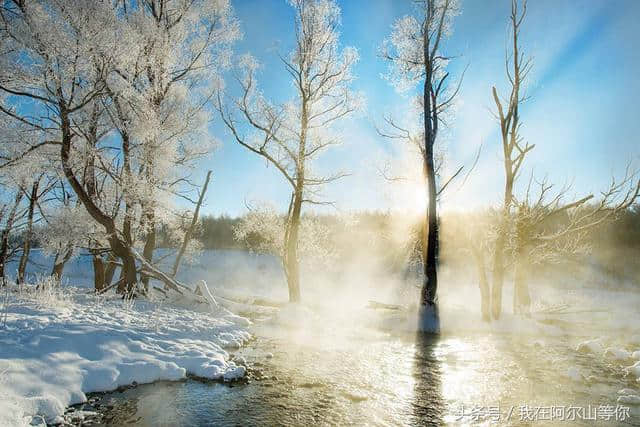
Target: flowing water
x,y
339,365
309,371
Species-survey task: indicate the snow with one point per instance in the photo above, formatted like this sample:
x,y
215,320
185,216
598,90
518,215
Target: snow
x,y
594,346
634,370
53,353
630,399
617,354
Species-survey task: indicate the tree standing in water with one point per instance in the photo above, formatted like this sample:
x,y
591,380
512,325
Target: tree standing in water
x,y
413,51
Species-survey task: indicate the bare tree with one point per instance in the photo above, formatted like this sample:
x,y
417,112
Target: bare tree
x,y
291,135
517,67
413,50
548,228
9,215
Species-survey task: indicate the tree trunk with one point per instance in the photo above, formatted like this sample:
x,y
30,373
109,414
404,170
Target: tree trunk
x,y
59,262
149,247
192,226
110,269
521,295
98,272
498,257
430,283
26,244
4,249
485,296
498,277
290,260
4,237
129,274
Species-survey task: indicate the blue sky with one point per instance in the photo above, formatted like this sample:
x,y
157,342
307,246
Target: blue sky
x,y
582,115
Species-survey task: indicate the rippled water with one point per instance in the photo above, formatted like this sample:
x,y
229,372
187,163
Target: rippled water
x,y
343,374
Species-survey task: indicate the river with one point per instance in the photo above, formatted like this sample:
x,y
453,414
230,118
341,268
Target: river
x,y
344,372
334,361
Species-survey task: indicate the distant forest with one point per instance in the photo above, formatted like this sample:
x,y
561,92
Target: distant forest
x,y
217,232
613,246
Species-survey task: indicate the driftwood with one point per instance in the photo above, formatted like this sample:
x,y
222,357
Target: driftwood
x,y
263,302
154,272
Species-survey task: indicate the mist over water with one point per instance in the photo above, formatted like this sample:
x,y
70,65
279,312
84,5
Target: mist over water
x,y
335,360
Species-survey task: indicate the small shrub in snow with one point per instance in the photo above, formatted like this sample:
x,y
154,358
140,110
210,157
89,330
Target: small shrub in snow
x,y
46,292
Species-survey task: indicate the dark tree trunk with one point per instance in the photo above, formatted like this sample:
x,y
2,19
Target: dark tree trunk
x,y
6,232
129,274
98,271
4,249
59,262
120,247
430,283
110,269
26,244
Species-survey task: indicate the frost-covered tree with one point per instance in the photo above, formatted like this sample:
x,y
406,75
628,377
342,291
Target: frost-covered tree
x,y
26,185
415,59
55,63
119,88
159,96
292,134
263,228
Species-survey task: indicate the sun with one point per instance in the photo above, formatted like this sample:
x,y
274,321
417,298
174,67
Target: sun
x,y
417,198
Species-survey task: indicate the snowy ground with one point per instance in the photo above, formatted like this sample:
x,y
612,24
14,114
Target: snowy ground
x,y
57,346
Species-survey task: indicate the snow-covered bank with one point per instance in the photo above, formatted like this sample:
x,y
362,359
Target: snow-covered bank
x,y
56,348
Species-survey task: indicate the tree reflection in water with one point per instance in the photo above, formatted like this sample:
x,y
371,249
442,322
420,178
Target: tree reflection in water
x,y
428,406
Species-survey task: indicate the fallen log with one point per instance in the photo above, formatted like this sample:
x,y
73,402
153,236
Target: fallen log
x,y
381,305
158,274
259,301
